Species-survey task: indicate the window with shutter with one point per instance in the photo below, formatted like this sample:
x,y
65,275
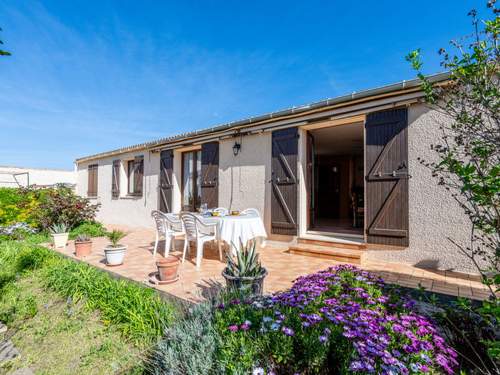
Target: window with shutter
x,y
166,186
135,173
92,181
210,174
115,179
139,174
191,180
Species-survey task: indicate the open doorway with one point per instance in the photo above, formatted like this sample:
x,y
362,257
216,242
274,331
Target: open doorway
x,y
336,179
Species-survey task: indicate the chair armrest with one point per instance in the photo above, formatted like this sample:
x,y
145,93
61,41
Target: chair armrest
x,y
208,227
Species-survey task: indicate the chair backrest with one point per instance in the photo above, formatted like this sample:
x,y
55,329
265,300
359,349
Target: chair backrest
x,y
173,222
222,211
252,211
190,223
159,220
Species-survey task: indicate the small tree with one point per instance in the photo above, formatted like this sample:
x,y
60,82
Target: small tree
x,y
469,149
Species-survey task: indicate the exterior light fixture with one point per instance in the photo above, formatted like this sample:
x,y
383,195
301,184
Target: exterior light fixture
x,y
236,148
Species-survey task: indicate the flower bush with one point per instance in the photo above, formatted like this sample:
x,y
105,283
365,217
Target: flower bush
x,y
42,208
62,205
341,320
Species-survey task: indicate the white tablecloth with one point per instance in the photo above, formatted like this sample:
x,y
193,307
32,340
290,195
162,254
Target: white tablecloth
x,y
233,228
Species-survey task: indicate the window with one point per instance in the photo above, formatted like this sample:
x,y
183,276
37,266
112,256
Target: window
x,y
115,179
135,171
191,180
92,181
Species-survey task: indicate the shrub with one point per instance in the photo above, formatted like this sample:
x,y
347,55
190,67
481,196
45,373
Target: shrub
x,y
340,320
62,205
16,205
189,347
91,228
42,208
475,332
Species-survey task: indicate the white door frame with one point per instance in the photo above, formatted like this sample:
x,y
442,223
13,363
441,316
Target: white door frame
x,y
303,209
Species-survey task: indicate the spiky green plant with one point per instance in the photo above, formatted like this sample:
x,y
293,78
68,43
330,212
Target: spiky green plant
x,y
59,228
115,236
246,263
83,237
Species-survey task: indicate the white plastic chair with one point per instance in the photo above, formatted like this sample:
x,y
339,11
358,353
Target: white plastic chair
x,y
196,231
222,211
161,231
252,211
174,229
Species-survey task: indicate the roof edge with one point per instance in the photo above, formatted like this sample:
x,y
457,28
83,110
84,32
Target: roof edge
x,y
402,85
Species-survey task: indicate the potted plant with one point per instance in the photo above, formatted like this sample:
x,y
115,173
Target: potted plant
x,y
167,269
245,273
59,233
83,245
115,252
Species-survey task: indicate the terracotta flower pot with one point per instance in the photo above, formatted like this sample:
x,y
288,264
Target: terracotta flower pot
x,y
168,268
83,248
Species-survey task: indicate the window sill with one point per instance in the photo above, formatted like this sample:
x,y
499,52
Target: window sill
x,y
133,197
93,197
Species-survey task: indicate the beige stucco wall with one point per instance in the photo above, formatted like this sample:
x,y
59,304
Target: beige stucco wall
x,y
244,182
35,176
434,215
244,179
126,210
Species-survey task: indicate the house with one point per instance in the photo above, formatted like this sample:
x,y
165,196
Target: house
x,y
345,170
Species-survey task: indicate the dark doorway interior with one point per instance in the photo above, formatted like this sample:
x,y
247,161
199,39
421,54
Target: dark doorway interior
x,y
336,180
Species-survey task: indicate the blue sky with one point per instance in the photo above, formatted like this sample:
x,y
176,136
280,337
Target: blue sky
x,y
90,76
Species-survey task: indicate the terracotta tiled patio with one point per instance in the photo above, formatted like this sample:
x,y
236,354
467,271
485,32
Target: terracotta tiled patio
x,y
283,268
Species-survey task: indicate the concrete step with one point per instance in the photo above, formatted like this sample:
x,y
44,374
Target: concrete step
x,y
332,243
338,254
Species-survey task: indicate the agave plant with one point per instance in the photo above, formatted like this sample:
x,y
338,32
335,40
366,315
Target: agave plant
x,y
84,237
246,263
115,236
59,228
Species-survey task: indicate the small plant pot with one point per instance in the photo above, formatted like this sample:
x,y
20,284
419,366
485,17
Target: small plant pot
x,y
246,285
168,269
60,239
115,255
83,248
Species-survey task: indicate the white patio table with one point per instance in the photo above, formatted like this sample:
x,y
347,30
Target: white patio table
x,y
232,229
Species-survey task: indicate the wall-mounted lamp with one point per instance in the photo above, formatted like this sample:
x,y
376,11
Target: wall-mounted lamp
x,y
236,148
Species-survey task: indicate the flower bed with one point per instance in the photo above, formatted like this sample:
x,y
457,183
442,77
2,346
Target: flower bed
x,y
340,320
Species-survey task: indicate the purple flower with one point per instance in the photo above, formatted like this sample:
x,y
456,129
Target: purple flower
x,y
246,325
288,331
233,328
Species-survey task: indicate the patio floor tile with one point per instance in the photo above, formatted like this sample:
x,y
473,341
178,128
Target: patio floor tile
x,y
194,285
